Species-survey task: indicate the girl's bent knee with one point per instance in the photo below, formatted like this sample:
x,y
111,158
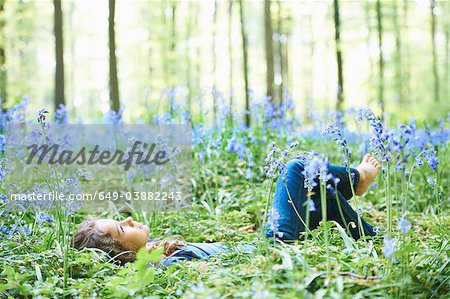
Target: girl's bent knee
x,y
294,165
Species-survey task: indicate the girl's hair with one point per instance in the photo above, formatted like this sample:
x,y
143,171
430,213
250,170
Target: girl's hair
x,y
89,236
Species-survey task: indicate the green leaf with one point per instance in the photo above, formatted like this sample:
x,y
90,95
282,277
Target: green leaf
x,y
143,257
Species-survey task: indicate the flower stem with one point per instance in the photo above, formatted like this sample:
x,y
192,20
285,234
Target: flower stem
x,y
323,200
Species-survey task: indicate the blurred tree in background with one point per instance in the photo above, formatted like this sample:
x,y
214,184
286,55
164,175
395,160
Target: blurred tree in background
x,y
113,80
3,95
390,55
59,55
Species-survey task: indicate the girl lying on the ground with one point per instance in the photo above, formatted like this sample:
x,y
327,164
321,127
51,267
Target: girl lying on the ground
x,y
122,239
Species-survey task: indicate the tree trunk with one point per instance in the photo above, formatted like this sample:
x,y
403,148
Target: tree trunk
x,y
398,55
164,47
270,72
380,59
3,94
337,39
188,59
406,69
214,29
433,44
230,50
172,60
198,65
280,53
59,54
284,69
447,46
245,63
368,9
310,73
72,55
113,81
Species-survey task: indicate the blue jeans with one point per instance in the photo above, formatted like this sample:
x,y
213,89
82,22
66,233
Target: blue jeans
x,y
289,224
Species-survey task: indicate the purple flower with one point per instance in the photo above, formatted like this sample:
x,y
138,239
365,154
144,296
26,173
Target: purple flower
x,y
44,218
403,224
113,117
336,133
310,173
275,166
379,137
431,182
293,144
237,147
41,116
432,159
272,222
2,144
131,176
2,175
417,161
61,114
374,185
360,211
311,205
248,173
336,181
389,247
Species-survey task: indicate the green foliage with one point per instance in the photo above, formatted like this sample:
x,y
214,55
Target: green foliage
x,y
227,207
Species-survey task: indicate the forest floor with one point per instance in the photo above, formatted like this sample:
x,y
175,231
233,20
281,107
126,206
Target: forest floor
x,y
231,196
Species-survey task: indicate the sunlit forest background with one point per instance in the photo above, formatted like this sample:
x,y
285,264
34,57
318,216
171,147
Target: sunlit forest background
x,y
386,55
271,92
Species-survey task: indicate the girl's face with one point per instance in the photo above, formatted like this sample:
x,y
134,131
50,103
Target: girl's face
x,y
130,234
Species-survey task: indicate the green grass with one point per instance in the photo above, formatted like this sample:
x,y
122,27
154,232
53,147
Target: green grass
x,y
227,207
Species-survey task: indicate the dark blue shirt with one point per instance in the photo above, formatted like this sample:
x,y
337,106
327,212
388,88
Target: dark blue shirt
x,y
192,251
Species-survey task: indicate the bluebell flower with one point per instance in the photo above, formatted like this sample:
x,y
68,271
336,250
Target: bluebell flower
x,y
389,248
237,147
336,181
293,144
44,218
41,115
201,156
417,161
363,113
26,230
379,137
2,175
310,173
311,205
315,166
112,117
15,114
272,163
360,211
248,173
336,133
431,182
131,175
15,229
2,144
272,222
4,230
250,158
4,198
403,224
61,114
432,159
